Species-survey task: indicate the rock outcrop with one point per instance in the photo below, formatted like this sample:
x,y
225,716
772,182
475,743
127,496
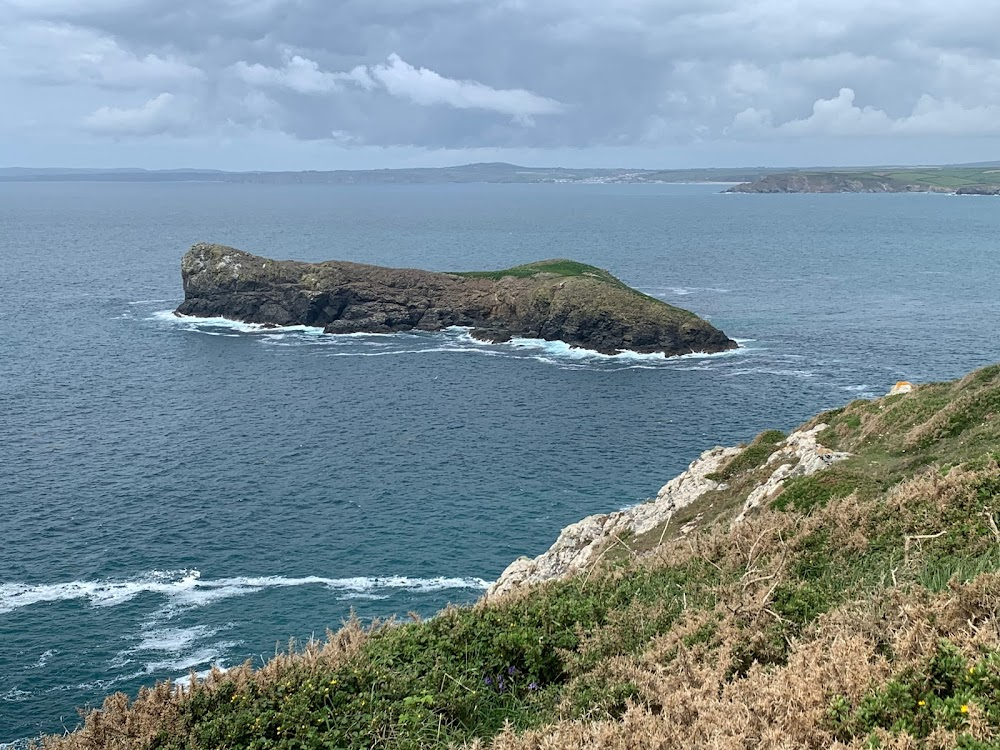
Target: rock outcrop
x,y
979,190
553,300
581,544
800,455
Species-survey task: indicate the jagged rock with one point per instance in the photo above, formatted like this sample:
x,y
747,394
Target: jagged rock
x,y
903,386
553,300
799,455
581,544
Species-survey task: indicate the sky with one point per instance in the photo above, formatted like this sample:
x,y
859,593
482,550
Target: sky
x,y
349,84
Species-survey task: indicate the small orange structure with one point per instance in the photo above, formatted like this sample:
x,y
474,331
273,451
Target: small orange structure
x,y
903,386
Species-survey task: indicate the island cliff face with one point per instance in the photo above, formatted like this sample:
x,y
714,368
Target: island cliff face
x,y
556,300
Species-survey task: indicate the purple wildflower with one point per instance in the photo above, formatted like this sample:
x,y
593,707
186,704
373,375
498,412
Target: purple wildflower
x,y
488,680
511,670
533,686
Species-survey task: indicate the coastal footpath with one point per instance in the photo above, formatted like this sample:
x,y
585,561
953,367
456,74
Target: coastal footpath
x,y
835,587
555,300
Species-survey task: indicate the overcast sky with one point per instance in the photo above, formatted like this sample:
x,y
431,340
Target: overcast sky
x,y
327,84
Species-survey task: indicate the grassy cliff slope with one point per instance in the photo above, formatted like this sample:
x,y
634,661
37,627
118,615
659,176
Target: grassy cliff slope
x,y
858,607
973,180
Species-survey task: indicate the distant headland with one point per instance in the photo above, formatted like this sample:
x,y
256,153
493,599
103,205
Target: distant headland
x,y
970,180
555,300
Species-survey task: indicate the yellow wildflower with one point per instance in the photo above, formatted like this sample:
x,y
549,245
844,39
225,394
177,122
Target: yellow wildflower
x,y
964,709
921,703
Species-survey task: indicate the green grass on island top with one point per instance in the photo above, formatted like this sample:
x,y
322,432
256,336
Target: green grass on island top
x,y
557,267
859,606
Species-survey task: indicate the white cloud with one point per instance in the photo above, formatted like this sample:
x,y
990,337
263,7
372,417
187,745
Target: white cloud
x,y
159,115
402,80
300,74
424,86
840,116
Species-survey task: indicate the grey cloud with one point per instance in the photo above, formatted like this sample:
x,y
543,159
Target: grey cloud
x,y
524,73
62,54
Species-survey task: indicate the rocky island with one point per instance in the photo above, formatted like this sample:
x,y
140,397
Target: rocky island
x,y
555,300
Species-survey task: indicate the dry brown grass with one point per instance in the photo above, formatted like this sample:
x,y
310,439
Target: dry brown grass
x,y
124,724
688,700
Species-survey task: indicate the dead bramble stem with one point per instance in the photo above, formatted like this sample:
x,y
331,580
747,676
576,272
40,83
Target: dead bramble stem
x,y
992,523
916,538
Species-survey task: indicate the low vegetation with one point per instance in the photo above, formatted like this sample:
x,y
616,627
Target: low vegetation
x,y
860,608
556,267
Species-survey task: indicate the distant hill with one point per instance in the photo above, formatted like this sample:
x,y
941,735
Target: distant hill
x,y
974,177
490,172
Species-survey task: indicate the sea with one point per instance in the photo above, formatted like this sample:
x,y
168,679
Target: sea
x,y
178,493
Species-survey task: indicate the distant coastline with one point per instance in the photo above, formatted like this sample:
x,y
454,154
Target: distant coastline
x,y
949,180
468,173
975,179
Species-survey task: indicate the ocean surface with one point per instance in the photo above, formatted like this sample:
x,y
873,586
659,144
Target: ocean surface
x,y
177,493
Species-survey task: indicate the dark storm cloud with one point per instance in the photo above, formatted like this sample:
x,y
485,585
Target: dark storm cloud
x,y
512,73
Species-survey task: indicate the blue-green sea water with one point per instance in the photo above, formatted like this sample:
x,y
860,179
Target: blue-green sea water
x,y
181,493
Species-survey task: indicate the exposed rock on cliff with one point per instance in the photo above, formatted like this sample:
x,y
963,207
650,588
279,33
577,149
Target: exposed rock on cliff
x,y
979,190
582,544
553,300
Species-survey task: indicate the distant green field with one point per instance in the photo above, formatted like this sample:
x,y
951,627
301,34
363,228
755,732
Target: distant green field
x,y
945,177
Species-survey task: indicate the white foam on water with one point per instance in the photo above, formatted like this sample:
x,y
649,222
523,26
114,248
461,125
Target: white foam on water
x,y
185,589
451,340
108,593
771,371
562,354
684,291
44,658
15,695
172,640
198,658
152,301
185,680
194,323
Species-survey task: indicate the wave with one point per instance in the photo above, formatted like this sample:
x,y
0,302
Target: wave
x,y
172,640
207,655
452,340
14,695
195,323
683,291
185,589
44,658
784,373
